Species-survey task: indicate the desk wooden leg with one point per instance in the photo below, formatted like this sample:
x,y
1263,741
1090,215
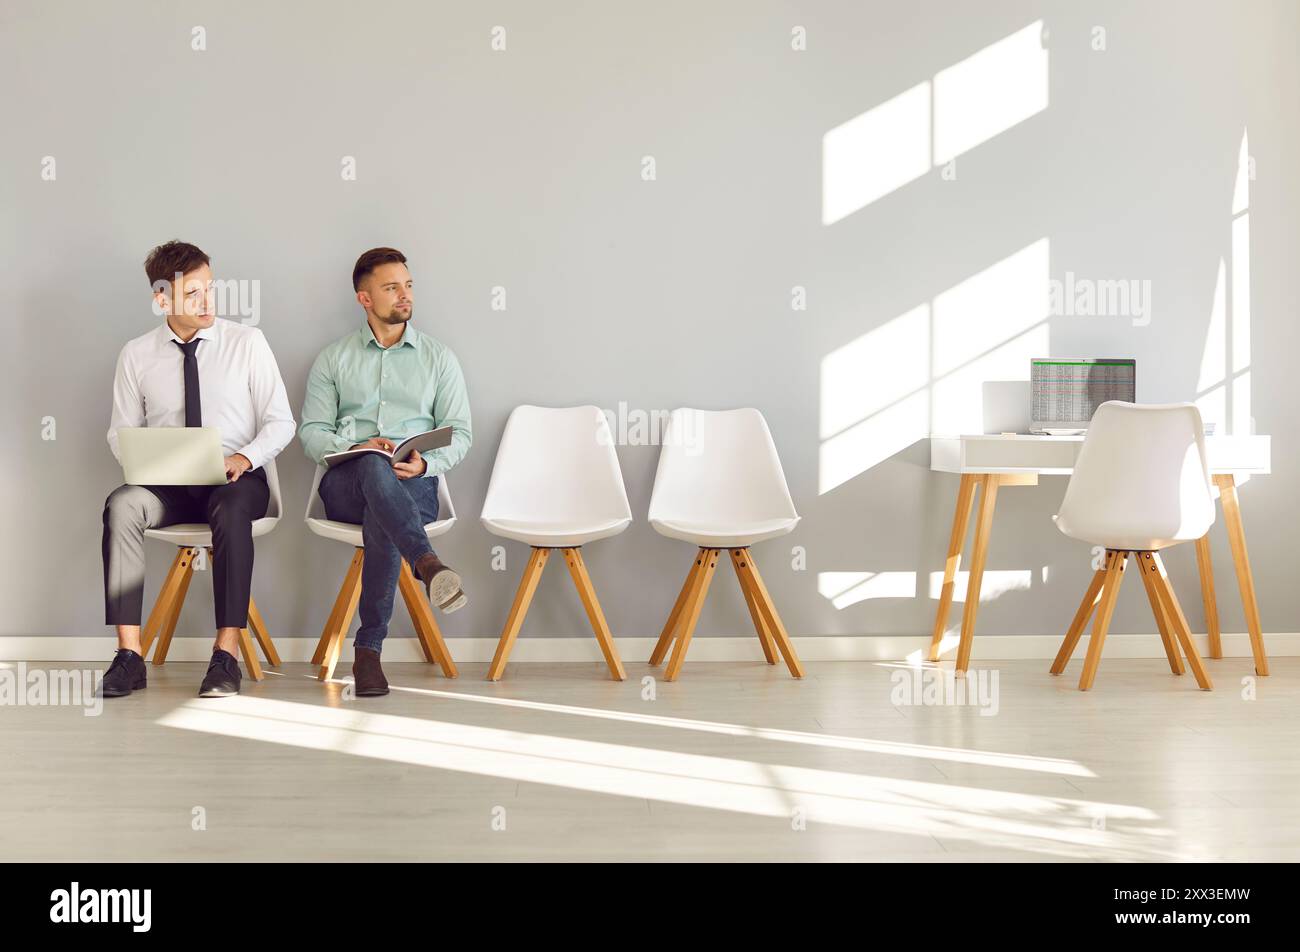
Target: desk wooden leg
x,y
983,527
1206,568
1241,561
960,519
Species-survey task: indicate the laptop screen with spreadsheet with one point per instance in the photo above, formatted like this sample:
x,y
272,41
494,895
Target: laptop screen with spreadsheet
x,y
1064,392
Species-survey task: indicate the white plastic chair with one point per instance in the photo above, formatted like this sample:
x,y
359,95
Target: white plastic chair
x,y
189,538
556,484
427,632
1140,484
720,485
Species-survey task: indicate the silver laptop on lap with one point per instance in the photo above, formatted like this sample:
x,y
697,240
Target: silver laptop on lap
x,y
1064,392
171,455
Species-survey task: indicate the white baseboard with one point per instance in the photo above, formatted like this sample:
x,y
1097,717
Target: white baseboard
x,y
99,648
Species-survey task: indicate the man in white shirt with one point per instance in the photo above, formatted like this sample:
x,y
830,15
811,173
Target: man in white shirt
x,y
193,370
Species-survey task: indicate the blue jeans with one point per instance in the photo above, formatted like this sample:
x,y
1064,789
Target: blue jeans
x,y
392,513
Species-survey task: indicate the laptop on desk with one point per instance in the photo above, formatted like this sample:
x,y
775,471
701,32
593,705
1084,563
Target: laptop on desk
x,y
1064,392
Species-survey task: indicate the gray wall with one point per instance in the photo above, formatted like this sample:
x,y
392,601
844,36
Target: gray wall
x,y
523,169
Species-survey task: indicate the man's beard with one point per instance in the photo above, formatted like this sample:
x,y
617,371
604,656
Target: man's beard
x,y
397,317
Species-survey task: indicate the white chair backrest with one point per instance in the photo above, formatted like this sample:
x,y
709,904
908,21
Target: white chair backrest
x,y
720,467
316,505
556,465
1140,474
275,505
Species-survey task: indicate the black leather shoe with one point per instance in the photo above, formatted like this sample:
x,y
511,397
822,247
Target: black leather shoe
x,y
222,679
368,674
124,675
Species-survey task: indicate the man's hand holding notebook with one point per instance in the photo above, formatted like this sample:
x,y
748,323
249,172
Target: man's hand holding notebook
x,y
419,443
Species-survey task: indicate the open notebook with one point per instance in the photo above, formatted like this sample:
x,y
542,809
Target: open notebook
x,y
420,442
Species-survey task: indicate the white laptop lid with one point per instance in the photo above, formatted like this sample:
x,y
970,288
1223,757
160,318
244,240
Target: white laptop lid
x,y
171,455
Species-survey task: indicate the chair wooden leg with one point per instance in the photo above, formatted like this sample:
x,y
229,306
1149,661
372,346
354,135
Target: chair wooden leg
x,y
250,656
162,606
770,616
751,601
1146,568
258,627
178,599
960,519
691,612
412,609
1109,595
1241,561
1081,617
427,632
341,619
340,602
587,592
1205,567
674,617
523,598
983,527
1174,612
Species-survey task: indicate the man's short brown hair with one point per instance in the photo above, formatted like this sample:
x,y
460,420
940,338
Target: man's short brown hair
x,y
371,260
173,258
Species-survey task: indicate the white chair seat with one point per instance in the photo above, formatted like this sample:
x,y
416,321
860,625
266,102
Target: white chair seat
x,y
553,535
732,535
198,535
1119,536
350,532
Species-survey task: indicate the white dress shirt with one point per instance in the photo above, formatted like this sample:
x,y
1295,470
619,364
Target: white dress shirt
x,y
240,389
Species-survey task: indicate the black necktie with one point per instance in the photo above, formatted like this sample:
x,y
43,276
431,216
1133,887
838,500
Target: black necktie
x,y
193,407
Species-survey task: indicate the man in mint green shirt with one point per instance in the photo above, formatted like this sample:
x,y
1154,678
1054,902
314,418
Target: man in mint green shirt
x,y
375,387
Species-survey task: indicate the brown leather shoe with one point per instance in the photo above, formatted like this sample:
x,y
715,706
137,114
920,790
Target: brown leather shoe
x,y
441,584
368,674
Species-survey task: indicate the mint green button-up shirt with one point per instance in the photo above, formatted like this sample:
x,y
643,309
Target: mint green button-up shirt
x,y
357,390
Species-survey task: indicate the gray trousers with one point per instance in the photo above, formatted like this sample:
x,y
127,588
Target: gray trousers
x,y
229,510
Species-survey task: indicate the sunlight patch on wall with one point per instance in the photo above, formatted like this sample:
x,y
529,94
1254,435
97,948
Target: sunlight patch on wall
x,y
924,371
996,583
1223,385
875,153
967,104
986,94
849,588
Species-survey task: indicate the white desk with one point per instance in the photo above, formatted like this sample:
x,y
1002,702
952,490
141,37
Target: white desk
x,y
991,461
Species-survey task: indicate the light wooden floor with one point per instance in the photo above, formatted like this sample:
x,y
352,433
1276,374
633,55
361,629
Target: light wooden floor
x,y
720,766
